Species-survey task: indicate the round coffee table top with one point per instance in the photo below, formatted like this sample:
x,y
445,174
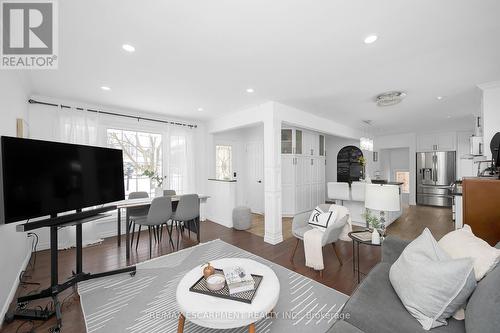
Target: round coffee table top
x,y
214,312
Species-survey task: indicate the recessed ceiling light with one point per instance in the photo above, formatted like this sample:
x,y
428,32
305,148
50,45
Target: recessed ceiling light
x,y
200,109
105,88
371,39
448,117
250,90
439,98
128,48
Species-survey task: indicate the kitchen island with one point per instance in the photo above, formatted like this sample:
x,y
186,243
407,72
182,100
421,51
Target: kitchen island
x,y
352,196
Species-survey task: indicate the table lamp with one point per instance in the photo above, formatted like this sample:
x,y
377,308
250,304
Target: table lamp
x,y
384,198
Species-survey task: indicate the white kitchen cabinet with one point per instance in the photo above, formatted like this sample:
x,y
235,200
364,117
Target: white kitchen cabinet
x,y
288,184
303,174
447,141
437,142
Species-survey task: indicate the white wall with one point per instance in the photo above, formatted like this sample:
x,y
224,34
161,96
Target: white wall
x,y
14,246
490,112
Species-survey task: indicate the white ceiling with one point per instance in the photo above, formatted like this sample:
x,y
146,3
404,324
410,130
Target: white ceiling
x,y
307,54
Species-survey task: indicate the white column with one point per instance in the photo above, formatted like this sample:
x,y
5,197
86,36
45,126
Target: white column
x,y
272,178
490,112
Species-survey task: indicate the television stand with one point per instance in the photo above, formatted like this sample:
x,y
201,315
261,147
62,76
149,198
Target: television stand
x,y
55,287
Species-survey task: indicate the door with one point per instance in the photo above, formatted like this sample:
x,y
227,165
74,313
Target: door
x,y
444,168
425,168
255,176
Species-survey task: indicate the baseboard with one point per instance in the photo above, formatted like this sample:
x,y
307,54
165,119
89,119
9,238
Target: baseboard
x,y
13,289
273,240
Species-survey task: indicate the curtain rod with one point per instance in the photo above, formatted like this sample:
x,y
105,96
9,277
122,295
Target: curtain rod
x,y
32,101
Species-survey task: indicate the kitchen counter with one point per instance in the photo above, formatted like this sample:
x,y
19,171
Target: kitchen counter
x,y
353,198
385,182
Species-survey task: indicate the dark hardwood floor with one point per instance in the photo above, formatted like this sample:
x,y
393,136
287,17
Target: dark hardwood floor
x,y
108,256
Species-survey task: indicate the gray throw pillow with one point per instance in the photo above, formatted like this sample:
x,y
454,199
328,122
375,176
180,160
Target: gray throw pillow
x,y
430,284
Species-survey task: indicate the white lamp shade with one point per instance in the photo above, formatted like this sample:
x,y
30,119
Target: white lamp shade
x,y
382,197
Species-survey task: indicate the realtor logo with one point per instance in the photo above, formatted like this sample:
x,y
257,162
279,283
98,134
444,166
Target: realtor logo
x,y
29,34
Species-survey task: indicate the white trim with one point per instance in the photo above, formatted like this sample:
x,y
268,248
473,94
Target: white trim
x,y
489,85
273,239
14,287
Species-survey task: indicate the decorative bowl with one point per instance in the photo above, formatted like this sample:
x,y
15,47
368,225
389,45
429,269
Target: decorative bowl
x,y
216,282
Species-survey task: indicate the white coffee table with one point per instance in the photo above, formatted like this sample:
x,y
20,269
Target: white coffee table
x,y
214,312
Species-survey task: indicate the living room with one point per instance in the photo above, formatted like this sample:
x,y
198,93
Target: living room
x,y
323,148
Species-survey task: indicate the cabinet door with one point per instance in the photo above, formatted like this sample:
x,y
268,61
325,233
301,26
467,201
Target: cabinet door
x,y
427,142
298,142
302,184
321,145
288,184
286,141
446,141
309,144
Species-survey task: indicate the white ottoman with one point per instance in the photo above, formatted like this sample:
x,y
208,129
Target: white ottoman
x,y
213,312
242,218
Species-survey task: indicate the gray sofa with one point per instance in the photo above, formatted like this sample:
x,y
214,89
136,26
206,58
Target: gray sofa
x,y
375,307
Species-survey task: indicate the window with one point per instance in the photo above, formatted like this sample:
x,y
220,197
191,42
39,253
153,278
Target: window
x,y
223,162
142,158
177,163
404,177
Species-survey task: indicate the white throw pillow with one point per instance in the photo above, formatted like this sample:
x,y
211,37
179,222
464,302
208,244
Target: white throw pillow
x,y
321,220
430,284
462,243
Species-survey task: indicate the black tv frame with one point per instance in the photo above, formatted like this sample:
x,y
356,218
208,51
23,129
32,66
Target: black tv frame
x,y
48,221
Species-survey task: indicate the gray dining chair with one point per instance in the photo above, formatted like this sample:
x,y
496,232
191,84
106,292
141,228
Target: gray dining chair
x,y
169,193
187,212
300,225
160,212
135,213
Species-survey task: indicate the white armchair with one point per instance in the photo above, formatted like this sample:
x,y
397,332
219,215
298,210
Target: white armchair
x,y
300,226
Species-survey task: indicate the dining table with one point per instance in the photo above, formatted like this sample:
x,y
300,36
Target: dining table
x,y
146,202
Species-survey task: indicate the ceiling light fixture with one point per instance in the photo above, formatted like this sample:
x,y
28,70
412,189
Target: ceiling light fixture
x,y
128,48
390,98
371,39
439,98
200,109
250,90
105,88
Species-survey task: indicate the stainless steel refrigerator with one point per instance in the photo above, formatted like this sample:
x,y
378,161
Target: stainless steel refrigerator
x,y
436,172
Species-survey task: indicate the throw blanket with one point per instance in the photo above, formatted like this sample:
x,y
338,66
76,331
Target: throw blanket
x,y
313,248
341,212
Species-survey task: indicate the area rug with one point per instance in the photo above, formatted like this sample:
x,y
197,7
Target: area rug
x,y
122,303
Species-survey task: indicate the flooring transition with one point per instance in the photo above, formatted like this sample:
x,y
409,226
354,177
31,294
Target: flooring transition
x,y
108,256
258,229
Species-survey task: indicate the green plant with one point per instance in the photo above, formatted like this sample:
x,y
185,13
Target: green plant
x,y
153,176
371,220
362,160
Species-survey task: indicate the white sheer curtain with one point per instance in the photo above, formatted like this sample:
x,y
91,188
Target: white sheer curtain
x,y
180,167
79,127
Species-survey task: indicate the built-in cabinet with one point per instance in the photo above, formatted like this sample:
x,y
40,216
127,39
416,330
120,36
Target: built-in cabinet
x,y
302,170
437,142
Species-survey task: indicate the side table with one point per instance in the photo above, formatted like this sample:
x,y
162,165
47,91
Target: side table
x,y
355,250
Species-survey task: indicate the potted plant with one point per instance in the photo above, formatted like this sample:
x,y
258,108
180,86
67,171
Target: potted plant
x,y
156,181
362,162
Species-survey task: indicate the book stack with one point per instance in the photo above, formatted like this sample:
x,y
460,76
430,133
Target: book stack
x,y
238,280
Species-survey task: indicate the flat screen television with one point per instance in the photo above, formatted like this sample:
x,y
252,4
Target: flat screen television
x,y
41,178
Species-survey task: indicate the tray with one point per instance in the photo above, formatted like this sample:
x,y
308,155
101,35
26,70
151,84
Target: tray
x,y
200,287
